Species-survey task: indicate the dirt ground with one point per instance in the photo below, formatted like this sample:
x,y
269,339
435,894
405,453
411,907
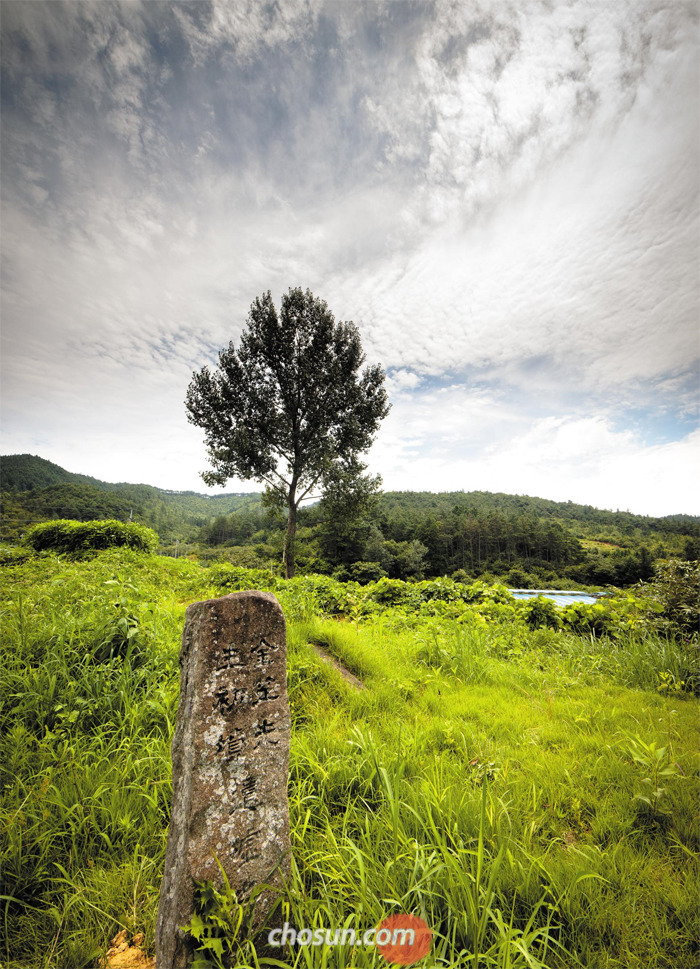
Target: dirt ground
x,y
125,954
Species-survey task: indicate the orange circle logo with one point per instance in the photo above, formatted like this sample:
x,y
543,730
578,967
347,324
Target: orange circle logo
x,y
403,939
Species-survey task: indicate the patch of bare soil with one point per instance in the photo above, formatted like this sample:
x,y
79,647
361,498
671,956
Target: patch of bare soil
x,y
332,661
123,954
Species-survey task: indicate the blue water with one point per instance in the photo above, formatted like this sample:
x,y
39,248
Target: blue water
x,y
561,598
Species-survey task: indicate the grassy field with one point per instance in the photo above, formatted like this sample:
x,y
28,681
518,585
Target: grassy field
x,y
526,787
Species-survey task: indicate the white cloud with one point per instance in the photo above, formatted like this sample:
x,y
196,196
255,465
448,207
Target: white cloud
x,y
502,197
596,265
562,458
401,382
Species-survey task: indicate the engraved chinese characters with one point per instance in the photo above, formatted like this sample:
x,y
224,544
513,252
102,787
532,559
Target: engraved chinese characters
x,y
230,761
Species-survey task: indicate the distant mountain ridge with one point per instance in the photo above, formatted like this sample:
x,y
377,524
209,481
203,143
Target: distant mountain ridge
x,y
26,472
34,489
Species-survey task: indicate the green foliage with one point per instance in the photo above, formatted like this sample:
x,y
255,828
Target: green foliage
x,y
526,542
35,489
393,592
656,763
81,502
13,555
485,778
362,572
216,925
675,592
539,612
234,578
26,472
71,536
234,529
350,499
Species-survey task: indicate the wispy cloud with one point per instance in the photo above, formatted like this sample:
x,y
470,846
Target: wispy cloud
x,y
504,198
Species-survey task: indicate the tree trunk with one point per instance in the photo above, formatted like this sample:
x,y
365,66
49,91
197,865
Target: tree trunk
x,y
289,541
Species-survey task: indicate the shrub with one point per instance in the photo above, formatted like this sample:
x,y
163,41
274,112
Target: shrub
x,y
483,591
539,612
519,579
591,619
446,589
365,572
675,592
461,575
12,555
330,597
62,535
394,592
235,578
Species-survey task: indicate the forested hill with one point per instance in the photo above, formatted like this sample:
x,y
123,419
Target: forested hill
x,y
526,541
589,518
34,489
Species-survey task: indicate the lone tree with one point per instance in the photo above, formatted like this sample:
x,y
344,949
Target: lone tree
x,y
291,407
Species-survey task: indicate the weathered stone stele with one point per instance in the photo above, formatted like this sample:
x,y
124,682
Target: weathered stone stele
x,y
230,762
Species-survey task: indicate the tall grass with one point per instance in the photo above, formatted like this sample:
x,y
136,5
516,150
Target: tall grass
x,y
489,778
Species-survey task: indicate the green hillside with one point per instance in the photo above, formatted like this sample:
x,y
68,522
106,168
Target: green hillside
x,y
28,472
34,489
525,541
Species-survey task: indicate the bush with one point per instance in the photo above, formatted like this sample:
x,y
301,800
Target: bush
x,y
591,619
394,592
539,612
62,535
675,592
462,576
445,589
235,578
330,597
520,579
485,591
365,572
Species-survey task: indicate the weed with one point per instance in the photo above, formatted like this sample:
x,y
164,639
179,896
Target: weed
x,y
656,763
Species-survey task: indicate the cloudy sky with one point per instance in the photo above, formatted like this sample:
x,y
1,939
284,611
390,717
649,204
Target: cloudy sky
x,y
503,196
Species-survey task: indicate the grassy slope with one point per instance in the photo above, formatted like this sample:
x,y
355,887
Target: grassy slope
x,y
477,750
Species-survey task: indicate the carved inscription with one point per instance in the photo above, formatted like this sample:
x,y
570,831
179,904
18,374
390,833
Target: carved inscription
x,y
243,681
232,745
247,847
230,761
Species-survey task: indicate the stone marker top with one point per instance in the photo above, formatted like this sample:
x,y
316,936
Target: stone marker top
x,y
230,760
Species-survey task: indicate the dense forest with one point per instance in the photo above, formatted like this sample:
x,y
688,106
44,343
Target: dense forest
x,y
526,542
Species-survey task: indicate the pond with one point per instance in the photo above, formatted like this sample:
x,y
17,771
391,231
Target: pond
x,y
561,597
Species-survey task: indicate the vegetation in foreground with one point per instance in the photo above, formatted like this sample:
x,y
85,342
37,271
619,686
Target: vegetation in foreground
x,y
524,778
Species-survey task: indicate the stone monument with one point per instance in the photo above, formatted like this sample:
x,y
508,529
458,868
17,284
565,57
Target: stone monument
x,y
230,762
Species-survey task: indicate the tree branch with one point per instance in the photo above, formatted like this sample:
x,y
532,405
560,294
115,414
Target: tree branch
x,y
276,487
305,493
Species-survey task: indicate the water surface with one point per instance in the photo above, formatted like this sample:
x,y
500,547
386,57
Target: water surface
x,y
561,597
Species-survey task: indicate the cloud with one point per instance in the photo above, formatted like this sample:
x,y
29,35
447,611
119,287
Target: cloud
x,y
595,266
504,198
401,382
564,458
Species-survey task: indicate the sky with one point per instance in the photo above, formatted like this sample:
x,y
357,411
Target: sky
x,y
502,196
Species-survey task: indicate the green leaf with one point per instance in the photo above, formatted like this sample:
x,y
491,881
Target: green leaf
x,y
216,945
195,928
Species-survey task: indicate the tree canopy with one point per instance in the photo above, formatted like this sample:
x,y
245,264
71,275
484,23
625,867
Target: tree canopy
x,y
290,408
